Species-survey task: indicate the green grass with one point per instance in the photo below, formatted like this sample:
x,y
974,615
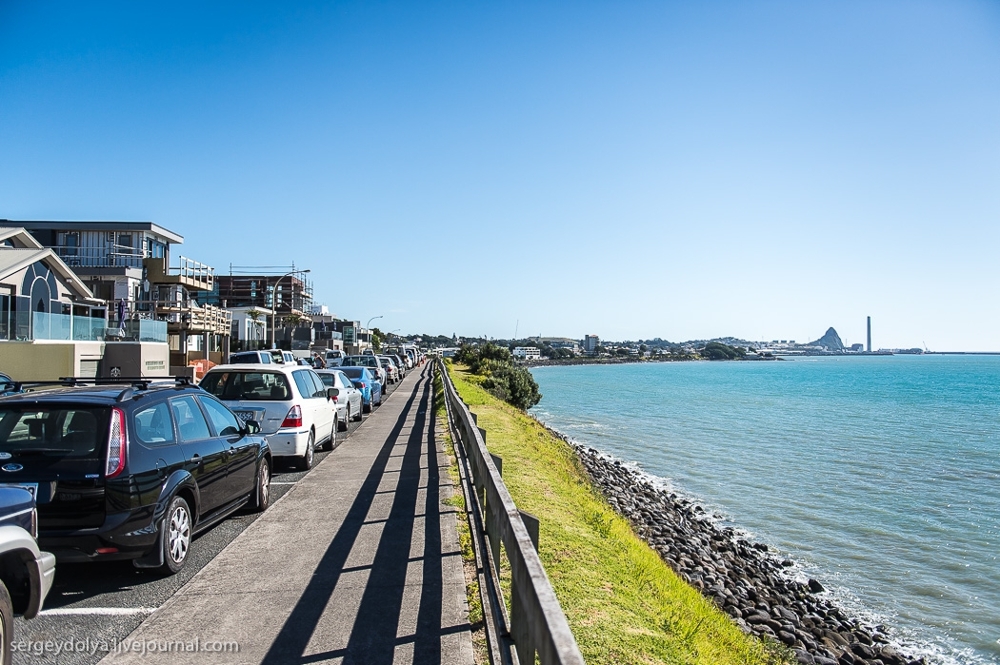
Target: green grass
x,y
623,603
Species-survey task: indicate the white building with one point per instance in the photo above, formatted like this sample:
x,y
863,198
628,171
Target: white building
x,y
527,353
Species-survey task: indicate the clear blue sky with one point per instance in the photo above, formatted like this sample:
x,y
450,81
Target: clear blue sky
x,y
627,169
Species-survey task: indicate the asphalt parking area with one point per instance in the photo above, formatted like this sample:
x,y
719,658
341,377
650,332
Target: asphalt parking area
x,y
91,607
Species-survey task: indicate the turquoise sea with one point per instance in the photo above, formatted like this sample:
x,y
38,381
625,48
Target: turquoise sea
x,y
879,476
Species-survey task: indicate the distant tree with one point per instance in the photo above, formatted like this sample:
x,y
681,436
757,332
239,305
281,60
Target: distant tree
x,y
720,351
643,348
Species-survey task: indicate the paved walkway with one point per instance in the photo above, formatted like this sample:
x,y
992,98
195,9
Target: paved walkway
x,y
358,563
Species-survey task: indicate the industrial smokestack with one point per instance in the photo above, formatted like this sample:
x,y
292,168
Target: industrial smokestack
x,y
869,334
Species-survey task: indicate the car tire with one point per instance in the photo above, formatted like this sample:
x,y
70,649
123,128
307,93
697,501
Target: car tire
x,y
6,626
331,443
306,461
342,425
367,408
359,415
177,531
261,497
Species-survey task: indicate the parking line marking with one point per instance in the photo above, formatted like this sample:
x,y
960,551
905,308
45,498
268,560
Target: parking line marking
x,y
273,482
97,611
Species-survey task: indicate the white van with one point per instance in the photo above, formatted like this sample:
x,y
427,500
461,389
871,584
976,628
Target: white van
x,y
334,357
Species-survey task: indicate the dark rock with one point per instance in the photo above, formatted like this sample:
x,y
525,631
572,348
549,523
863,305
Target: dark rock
x,y
746,580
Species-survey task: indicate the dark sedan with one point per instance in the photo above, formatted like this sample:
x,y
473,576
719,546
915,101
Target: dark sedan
x,y
130,471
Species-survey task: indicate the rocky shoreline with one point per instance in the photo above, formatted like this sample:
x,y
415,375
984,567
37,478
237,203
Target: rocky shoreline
x,y
746,580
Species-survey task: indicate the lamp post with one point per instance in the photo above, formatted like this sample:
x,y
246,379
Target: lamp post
x,y
274,300
369,329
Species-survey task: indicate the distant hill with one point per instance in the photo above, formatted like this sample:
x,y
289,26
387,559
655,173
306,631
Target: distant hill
x,y
831,340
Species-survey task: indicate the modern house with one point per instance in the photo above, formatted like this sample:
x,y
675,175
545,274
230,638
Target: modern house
x,y
527,353
51,324
128,265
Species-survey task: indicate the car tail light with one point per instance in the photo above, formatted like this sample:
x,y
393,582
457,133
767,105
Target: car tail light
x,y
294,417
117,444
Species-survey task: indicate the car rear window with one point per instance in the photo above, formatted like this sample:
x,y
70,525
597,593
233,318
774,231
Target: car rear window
x,y
240,385
353,372
64,431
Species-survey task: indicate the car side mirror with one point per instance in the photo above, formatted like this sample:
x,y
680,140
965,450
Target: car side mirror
x,y
332,392
252,427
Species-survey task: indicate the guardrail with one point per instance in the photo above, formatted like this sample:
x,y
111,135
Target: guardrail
x,y
536,623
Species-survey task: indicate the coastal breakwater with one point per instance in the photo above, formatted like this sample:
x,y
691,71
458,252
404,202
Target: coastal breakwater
x,y
746,580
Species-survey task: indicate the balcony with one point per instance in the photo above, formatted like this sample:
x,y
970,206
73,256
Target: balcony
x,y
189,273
115,256
188,317
31,326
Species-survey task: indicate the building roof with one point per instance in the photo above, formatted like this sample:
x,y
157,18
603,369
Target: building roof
x,y
15,259
19,238
175,238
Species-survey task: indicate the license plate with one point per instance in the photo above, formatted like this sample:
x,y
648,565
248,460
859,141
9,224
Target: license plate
x,y
31,487
244,415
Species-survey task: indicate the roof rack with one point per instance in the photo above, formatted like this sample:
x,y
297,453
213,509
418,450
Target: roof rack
x,y
133,382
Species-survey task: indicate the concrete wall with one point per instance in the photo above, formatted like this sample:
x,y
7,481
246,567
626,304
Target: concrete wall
x,y
43,360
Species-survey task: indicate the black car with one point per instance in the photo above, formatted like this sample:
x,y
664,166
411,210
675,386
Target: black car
x,y
130,471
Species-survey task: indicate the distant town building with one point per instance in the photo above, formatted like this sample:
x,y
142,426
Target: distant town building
x,y
590,344
527,353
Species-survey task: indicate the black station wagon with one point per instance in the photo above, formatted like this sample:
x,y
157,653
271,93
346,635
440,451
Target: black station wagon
x,y
130,470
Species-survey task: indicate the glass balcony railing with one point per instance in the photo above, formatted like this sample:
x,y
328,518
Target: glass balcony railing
x,y
43,326
138,330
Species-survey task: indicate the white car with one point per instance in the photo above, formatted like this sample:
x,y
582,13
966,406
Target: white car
x,y
349,401
294,408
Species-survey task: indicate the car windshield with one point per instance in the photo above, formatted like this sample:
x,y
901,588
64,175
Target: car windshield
x,y
328,380
67,431
240,385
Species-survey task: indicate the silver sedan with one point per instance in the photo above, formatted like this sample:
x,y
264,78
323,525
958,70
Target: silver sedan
x,y
349,401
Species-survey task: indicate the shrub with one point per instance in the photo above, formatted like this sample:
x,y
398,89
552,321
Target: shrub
x,y
503,379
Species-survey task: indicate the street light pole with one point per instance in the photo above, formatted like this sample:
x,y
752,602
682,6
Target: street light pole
x,y
368,327
274,301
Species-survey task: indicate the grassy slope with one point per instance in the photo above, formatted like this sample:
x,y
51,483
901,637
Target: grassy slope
x,y
623,603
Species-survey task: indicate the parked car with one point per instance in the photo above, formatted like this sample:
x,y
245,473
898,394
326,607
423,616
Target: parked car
x,y
251,357
349,401
131,471
365,381
26,573
400,365
334,357
8,386
294,407
391,371
371,362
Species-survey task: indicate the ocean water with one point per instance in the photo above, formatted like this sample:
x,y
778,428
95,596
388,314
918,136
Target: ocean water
x,y
879,476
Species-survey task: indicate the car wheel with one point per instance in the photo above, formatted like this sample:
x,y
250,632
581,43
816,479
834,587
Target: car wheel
x,y
176,536
359,415
331,443
261,498
367,408
342,425
307,460
6,626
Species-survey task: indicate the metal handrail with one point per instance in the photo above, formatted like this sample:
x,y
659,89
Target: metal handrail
x,y
537,623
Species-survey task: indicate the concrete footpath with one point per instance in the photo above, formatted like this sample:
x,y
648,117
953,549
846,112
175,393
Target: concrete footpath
x,y
358,563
